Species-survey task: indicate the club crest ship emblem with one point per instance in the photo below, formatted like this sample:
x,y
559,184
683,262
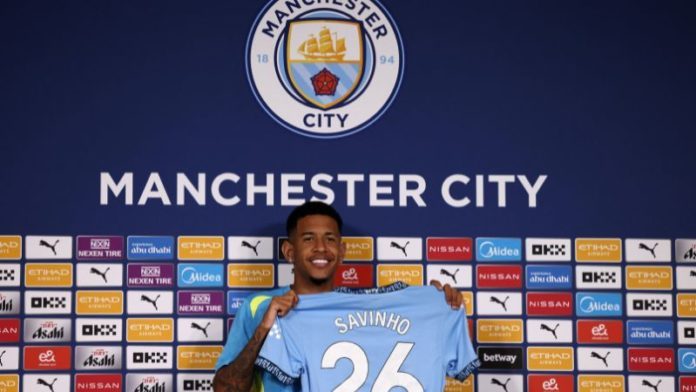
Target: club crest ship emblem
x,y
325,69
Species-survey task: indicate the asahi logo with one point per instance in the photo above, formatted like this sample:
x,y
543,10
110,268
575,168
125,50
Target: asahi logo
x,y
47,330
149,383
9,302
87,358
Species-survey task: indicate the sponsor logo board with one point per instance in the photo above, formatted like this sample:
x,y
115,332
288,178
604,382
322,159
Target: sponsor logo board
x,y
456,275
48,247
603,250
149,357
411,274
600,359
98,383
46,302
250,276
47,382
150,302
192,248
550,358
10,247
498,276
648,278
99,275
250,248
142,330
649,305
598,304
648,250
549,331
547,249
549,304
151,275
200,275
499,331
99,302
47,358
654,360
353,275
399,249
48,274
359,248
498,249
44,330
194,382
601,383
9,275
141,382
199,329
639,332
498,303
549,277
449,249
600,331
100,247
597,277
98,329
197,357
98,358
200,303
141,248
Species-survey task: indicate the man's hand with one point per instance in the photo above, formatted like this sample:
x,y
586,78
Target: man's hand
x,y
452,296
279,306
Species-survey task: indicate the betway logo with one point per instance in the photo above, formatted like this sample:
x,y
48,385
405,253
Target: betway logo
x,y
500,358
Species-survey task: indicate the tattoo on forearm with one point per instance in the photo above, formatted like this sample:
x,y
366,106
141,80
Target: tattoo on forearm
x,y
238,376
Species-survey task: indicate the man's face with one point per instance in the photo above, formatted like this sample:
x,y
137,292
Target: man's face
x,y
315,249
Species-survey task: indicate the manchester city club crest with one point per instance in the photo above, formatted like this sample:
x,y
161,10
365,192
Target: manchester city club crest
x,y
325,70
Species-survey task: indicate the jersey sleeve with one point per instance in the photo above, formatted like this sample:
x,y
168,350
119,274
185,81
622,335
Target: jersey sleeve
x,y
459,353
280,355
238,337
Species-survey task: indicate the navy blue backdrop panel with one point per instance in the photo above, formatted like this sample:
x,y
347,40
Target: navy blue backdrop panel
x,y
159,118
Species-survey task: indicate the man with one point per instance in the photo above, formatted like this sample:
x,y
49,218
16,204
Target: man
x,y
315,249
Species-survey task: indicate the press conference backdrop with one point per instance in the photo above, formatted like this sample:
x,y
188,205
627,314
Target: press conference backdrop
x,y
536,156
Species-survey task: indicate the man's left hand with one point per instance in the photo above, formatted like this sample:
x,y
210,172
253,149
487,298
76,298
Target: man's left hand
x,y
452,296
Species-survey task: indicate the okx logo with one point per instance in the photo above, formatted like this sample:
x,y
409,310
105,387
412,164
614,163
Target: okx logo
x,y
324,69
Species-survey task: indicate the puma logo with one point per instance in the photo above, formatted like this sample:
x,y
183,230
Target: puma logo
x,y
202,329
2,355
501,303
51,247
649,249
452,275
603,358
692,273
552,330
152,301
647,383
250,246
402,248
497,382
41,381
102,274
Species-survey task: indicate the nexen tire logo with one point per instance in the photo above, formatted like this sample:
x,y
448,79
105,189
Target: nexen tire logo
x,y
325,69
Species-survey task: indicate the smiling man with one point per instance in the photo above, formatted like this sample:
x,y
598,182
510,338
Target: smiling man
x,y
315,249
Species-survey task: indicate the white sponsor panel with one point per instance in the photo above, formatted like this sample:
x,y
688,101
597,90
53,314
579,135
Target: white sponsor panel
x,y
548,249
456,275
686,278
194,382
492,382
600,359
399,248
47,330
149,357
648,250
99,275
286,274
10,275
41,382
651,383
98,358
549,331
598,277
98,329
685,250
250,248
200,329
48,247
649,305
687,332
148,382
10,358
47,302
498,303
9,302
150,302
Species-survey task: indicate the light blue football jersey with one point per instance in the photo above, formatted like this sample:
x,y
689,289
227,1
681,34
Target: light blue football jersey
x,y
400,337
248,318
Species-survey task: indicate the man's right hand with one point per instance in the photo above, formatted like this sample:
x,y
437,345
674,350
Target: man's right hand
x,y
279,306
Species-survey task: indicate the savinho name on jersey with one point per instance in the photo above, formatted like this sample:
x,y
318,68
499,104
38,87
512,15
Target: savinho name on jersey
x,y
373,318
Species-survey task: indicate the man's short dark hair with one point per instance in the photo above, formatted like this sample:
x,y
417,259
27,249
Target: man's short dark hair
x,y
312,208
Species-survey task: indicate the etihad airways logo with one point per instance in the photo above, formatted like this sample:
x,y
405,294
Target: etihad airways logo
x,y
601,383
9,382
359,248
648,278
607,250
499,331
193,248
99,302
150,330
392,273
48,274
10,247
197,357
550,359
250,275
